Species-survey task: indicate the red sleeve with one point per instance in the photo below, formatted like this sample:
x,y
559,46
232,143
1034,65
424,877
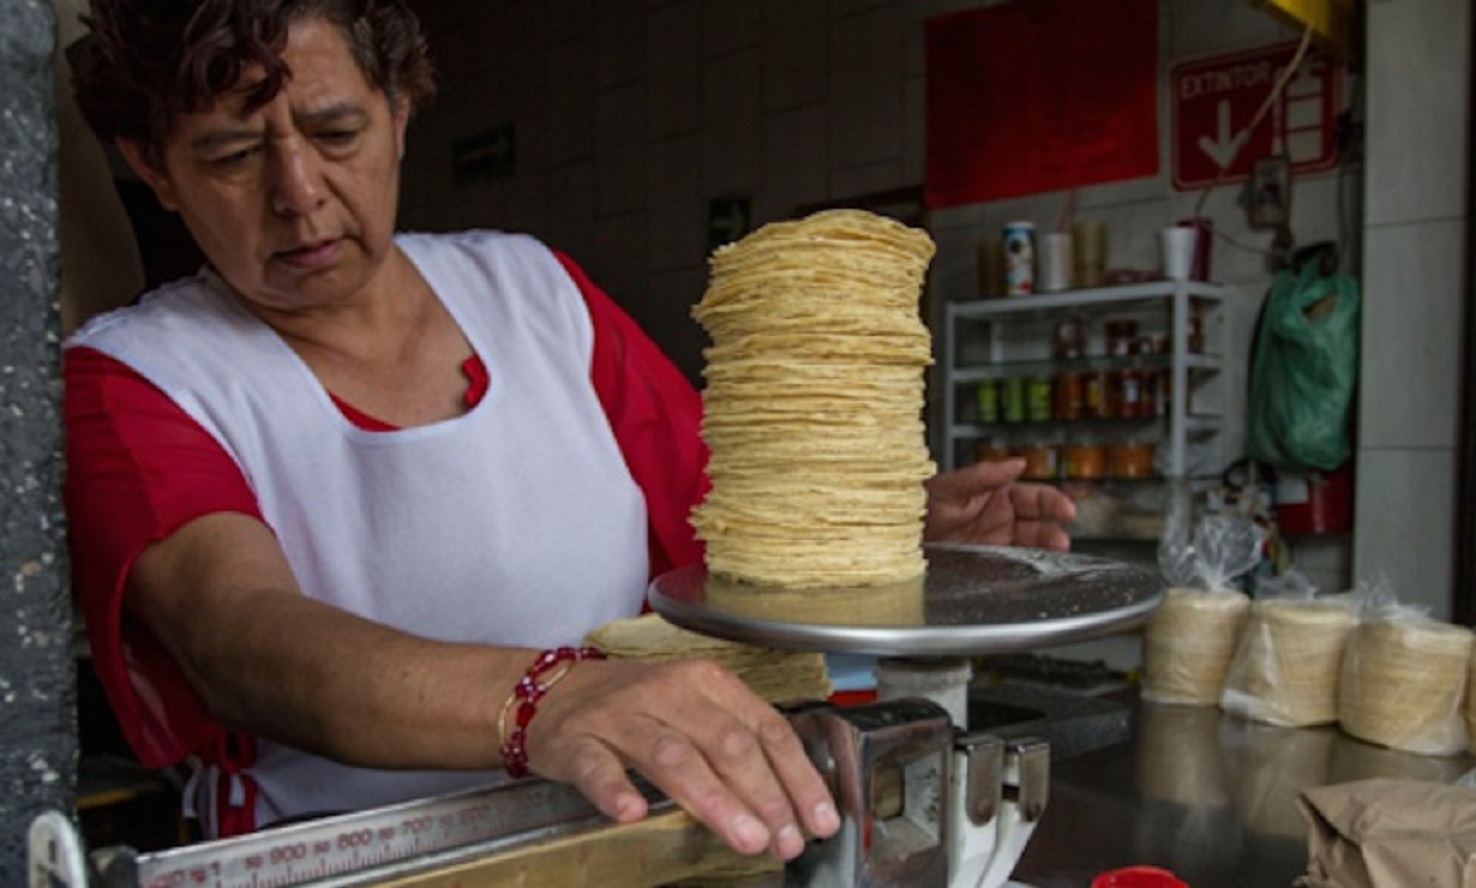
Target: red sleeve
x,y
657,417
137,469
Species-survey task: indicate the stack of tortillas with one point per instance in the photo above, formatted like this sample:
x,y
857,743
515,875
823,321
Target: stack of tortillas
x,y
813,403
1404,685
1189,643
1286,668
777,676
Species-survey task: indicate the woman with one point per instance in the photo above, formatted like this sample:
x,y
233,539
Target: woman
x,y
330,497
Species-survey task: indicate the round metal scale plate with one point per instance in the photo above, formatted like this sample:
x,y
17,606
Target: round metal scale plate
x,y
971,600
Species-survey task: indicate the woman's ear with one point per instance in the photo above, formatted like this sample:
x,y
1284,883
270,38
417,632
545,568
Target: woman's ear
x,y
400,114
156,179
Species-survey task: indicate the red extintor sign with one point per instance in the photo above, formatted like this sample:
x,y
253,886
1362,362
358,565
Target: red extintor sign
x,y
1216,98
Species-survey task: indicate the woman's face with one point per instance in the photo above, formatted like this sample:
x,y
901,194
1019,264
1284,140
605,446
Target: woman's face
x,y
293,203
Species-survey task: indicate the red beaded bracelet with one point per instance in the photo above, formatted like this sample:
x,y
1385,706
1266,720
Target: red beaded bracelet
x,y
526,694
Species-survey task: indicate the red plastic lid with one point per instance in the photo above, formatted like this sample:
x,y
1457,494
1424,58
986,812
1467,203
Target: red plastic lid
x,y
1138,877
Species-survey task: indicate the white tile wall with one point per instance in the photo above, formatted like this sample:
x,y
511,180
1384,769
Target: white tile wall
x,y
621,162
1202,29
729,27
796,161
1412,335
1404,522
571,97
1419,63
733,120
1325,560
620,247
620,29
1418,130
796,50
674,68
676,204
865,99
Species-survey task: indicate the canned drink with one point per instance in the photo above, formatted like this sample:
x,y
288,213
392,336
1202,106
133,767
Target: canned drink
x,y
1038,399
988,395
1019,258
1012,399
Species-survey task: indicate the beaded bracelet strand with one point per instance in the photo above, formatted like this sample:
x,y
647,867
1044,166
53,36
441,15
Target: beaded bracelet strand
x,y
526,695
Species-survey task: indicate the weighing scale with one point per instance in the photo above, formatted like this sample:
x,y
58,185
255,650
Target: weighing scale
x,y
925,803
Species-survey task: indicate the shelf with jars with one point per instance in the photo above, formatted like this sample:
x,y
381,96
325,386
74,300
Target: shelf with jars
x,y
1117,386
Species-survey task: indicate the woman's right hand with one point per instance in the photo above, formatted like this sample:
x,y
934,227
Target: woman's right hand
x,y
699,735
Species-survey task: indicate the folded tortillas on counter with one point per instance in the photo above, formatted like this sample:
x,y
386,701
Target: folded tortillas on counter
x,y
775,675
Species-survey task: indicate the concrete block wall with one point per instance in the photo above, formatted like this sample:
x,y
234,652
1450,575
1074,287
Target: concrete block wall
x,y
38,748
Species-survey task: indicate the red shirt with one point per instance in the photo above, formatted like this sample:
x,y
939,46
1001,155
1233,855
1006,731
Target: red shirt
x,y
139,468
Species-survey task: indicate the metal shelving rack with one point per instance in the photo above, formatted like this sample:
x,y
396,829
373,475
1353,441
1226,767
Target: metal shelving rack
x,y
1187,416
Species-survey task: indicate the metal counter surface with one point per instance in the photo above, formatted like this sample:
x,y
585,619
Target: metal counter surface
x,y
1210,796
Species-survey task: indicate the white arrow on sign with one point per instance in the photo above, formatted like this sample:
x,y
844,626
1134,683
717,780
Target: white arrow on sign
x,y
1223,148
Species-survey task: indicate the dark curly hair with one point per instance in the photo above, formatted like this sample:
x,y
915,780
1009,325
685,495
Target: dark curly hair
x,y
147,61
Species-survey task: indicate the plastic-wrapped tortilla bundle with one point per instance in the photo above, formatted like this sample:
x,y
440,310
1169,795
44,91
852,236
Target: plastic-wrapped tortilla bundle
x,y
1189,644
1288,662
1404,684
1191,639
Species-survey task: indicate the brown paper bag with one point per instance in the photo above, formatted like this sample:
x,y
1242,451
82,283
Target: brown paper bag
x,y
1385,833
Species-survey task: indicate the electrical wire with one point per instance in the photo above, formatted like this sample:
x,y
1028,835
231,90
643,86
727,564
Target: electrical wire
x,y
1286,75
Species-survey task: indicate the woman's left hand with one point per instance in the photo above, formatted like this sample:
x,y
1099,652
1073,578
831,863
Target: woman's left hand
x,y
983,504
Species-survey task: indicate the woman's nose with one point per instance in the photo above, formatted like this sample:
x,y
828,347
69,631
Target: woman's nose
x,y
297,186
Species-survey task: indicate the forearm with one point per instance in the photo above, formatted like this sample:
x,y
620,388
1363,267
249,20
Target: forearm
x,y
269,661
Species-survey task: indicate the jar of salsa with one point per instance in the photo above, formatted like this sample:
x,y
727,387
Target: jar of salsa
x,y
1085,461
1069,396
1040,462
1130,459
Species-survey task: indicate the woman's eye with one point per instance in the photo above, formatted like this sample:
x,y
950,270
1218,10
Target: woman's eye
x,y
226,161
337,137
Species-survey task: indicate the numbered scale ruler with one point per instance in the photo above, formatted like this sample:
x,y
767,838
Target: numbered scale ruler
x,y
365,848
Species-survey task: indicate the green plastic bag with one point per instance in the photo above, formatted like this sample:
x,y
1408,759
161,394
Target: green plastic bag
x,y
1304,370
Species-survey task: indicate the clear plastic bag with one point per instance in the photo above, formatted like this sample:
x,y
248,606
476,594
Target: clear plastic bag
x,y
1188,645
1404,677
1288,662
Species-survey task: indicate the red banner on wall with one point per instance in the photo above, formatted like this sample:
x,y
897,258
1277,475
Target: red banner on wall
x,y
1040,96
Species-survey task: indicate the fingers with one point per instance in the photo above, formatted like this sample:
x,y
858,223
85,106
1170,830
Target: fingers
x,y
811,798
981,477
1042,502
740,769
600,777
700,736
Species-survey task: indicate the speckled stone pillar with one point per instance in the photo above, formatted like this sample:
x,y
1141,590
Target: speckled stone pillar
x,y
38,746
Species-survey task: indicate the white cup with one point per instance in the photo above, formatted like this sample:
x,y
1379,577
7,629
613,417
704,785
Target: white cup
x,y
1055,262
1178,252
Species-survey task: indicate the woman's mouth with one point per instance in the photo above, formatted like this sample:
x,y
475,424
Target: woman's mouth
x,y
315,255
